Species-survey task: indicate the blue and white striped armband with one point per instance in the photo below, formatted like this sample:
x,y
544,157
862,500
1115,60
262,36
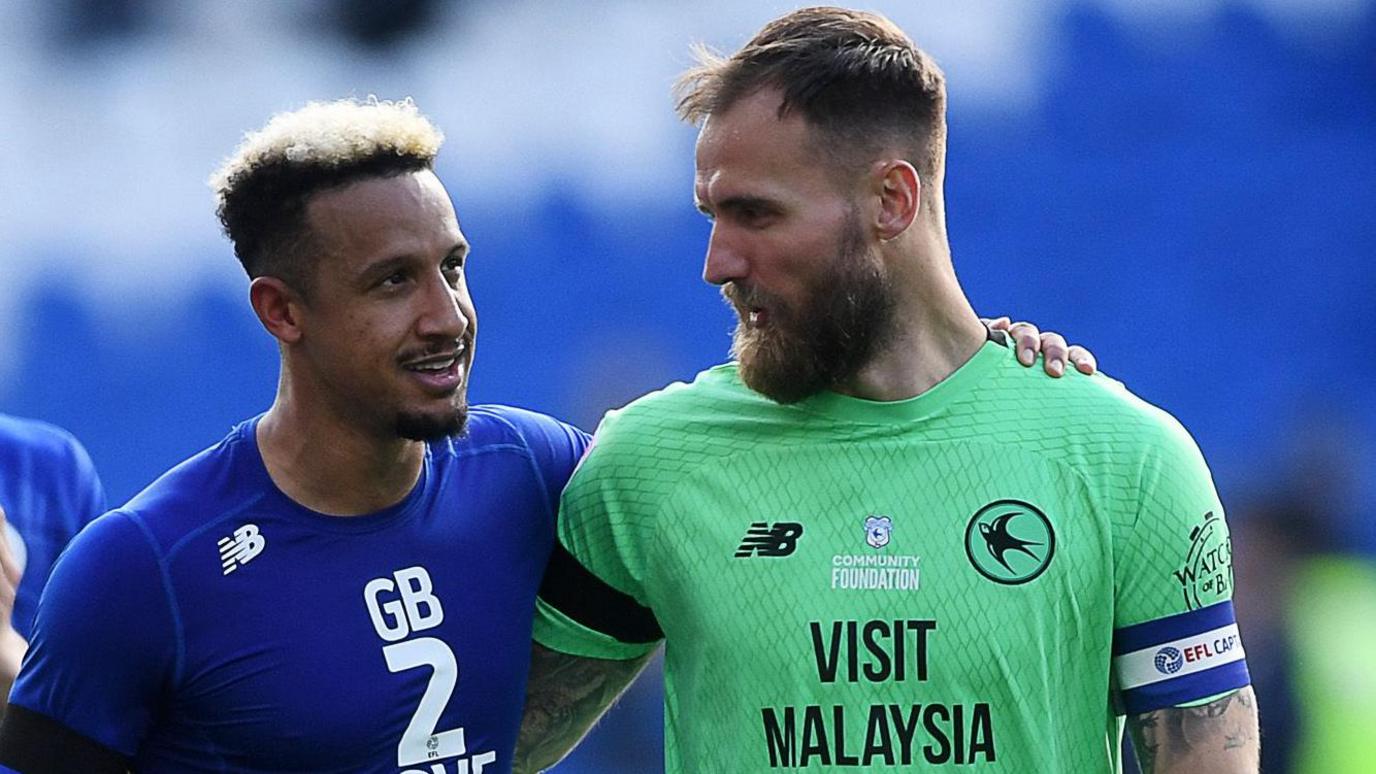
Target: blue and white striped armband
x,y
1179,659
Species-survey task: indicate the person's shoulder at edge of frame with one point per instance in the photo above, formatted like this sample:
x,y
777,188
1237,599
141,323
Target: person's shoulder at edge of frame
x,y
40,438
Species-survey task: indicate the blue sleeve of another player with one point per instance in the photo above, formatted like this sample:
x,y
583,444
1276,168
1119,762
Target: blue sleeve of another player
x,y
89,499
105,641
50,490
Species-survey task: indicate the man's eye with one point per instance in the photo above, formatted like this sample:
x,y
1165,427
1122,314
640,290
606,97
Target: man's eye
x,y
393,279
755,216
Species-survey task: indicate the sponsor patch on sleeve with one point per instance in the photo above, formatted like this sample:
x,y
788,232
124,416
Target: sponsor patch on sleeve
x,y
1178,659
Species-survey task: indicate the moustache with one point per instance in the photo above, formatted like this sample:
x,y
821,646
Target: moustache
x,y
449,347
743,297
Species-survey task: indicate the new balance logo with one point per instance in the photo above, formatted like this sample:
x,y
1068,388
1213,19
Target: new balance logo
x,y
245,544
763,540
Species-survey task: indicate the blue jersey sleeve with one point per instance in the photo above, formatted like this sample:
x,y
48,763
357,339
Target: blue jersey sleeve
x,y
105,642
72,479
88,494
49,490
556,449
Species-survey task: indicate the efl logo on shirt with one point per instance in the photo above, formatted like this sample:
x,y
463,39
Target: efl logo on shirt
x,y
242,546
762,539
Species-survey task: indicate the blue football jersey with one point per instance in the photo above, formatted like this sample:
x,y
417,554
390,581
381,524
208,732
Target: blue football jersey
x,y
214,625
49,490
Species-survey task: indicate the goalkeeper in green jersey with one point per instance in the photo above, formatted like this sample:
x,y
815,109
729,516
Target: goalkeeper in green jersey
x,y
873,542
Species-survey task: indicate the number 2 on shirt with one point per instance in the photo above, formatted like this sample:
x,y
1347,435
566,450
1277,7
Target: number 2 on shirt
x,y
398,607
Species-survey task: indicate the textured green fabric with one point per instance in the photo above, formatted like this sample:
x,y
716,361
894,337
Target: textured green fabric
x,y
1009,676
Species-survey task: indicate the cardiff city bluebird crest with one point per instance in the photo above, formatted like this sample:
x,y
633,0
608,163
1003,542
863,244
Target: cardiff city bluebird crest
x,y
878,530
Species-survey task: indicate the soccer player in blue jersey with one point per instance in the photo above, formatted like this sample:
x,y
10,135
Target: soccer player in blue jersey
x,y
345,583
49,490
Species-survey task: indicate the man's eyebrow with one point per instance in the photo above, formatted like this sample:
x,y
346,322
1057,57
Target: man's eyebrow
x,y
460,250
737,203
385,266
746,202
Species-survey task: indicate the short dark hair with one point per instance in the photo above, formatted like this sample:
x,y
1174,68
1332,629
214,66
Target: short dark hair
x,y
262,190
854,76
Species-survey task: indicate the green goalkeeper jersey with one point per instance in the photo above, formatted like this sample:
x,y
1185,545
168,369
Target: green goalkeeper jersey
x,y
988,574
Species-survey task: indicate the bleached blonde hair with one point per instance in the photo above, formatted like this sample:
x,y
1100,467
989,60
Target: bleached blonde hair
x,y
263,188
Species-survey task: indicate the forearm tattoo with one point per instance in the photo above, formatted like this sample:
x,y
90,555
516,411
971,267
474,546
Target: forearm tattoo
x,y
565,696
1221,734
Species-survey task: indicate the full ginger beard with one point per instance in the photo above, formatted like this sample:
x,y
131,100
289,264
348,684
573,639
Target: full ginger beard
x,y
822,343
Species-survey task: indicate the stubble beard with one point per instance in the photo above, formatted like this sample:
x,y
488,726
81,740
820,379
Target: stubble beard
x,y
446,423
418,426
824,342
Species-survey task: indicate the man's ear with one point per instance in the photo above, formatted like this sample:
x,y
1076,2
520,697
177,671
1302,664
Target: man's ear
x,y
278,307
900,196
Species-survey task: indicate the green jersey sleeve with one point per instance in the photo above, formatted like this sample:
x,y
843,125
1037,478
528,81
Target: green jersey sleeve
x,y
593,601
1175,636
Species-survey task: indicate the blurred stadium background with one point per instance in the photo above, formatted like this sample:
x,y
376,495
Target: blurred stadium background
x,y
1184,185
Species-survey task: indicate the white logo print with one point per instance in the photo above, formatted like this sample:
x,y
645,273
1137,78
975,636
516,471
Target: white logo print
x,y
877,530
245,544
